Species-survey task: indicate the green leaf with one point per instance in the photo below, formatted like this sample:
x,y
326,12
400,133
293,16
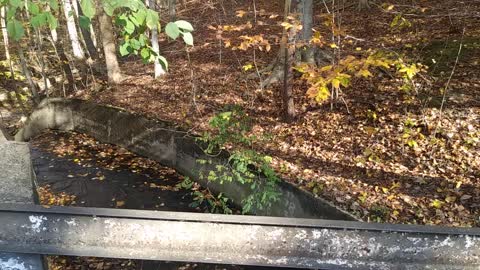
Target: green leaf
x,y
52,21
145,53
33,8
16,3
142,38
15,29
121,20
88,8
39,20
84,22
188,38
129,27
184,25
53,4
11,12
138,17
125,49
108,7
151,19
135,44
172,30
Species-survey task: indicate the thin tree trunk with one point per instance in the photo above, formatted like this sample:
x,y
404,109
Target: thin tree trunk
x,y
4,33
108,40
159,71
288,106
28,75
53,32
87,37
172,11
72,30
9,59
41,61
67,70
305,8
363,4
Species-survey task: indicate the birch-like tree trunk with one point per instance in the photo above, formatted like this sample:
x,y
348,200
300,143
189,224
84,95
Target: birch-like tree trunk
x,y
4,33
72,30
109,49
159,71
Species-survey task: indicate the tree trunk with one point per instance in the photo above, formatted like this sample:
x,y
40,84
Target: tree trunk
x,y
87,37
172,11
72,30
305,9
9,59
159,71
28,76
4,33
363,4
109,49
288,105
67,70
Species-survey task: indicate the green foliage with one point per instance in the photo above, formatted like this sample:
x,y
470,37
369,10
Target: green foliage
x,y
412,134
245,165
400,22
203,197
40,15
133,17
15,29
88,8
184,28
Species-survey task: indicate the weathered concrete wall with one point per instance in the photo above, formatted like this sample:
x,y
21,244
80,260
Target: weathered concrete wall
x,y
240,240
167,144
16,186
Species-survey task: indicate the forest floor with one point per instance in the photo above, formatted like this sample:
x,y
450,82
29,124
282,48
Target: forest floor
x,y
383,154
359,155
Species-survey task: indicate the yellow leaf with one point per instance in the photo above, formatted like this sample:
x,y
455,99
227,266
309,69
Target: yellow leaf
x,y
436,204
336,83
333,45
364,73
450,199
385,190
390,7
396,185
286,25
120,203
240,13
247,67
459,184
325,68
228,43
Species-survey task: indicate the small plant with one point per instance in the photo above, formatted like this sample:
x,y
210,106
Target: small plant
x,y
379,213
322,80
412,133
245,165
204,198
